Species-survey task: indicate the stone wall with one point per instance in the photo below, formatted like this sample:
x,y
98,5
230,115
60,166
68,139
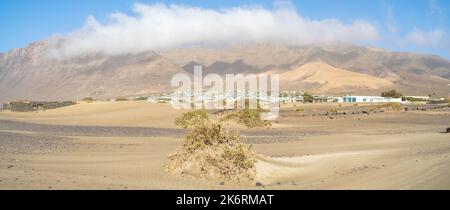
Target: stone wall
x,y
29,106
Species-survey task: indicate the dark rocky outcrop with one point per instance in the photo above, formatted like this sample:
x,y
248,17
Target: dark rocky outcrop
x,y
29,106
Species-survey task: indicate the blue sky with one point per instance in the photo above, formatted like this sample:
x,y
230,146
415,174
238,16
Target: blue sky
x,y
402,25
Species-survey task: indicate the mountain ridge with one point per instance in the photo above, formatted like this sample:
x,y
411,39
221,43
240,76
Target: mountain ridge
x,y
28,73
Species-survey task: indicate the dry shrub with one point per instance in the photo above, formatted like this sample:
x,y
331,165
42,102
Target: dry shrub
x,y
197,117
251,118
299,110
212,152
209,134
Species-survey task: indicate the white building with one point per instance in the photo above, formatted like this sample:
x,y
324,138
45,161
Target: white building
x,y
370,99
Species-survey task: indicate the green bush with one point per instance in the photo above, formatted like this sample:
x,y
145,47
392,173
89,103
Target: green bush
x,y
308,98
392,94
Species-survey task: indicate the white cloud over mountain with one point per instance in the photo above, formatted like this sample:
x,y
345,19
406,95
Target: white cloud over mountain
x,y
160,26
431,38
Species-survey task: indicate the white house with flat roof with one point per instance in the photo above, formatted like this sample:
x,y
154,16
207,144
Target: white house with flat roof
x,y
370,99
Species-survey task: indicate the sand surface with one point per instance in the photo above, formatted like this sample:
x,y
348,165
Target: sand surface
x,y
128,113
398,150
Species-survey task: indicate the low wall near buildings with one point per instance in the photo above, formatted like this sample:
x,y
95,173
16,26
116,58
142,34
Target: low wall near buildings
x,y
29,106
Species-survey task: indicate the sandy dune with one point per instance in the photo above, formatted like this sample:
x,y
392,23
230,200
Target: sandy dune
x,y
330,78
404,150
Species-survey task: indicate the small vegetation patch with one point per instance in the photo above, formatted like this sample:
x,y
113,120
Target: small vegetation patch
x,y
87,99
121,99
308,98
392,94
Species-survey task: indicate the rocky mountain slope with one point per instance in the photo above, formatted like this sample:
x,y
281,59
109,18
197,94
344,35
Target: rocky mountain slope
x,y
408,72
29,73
